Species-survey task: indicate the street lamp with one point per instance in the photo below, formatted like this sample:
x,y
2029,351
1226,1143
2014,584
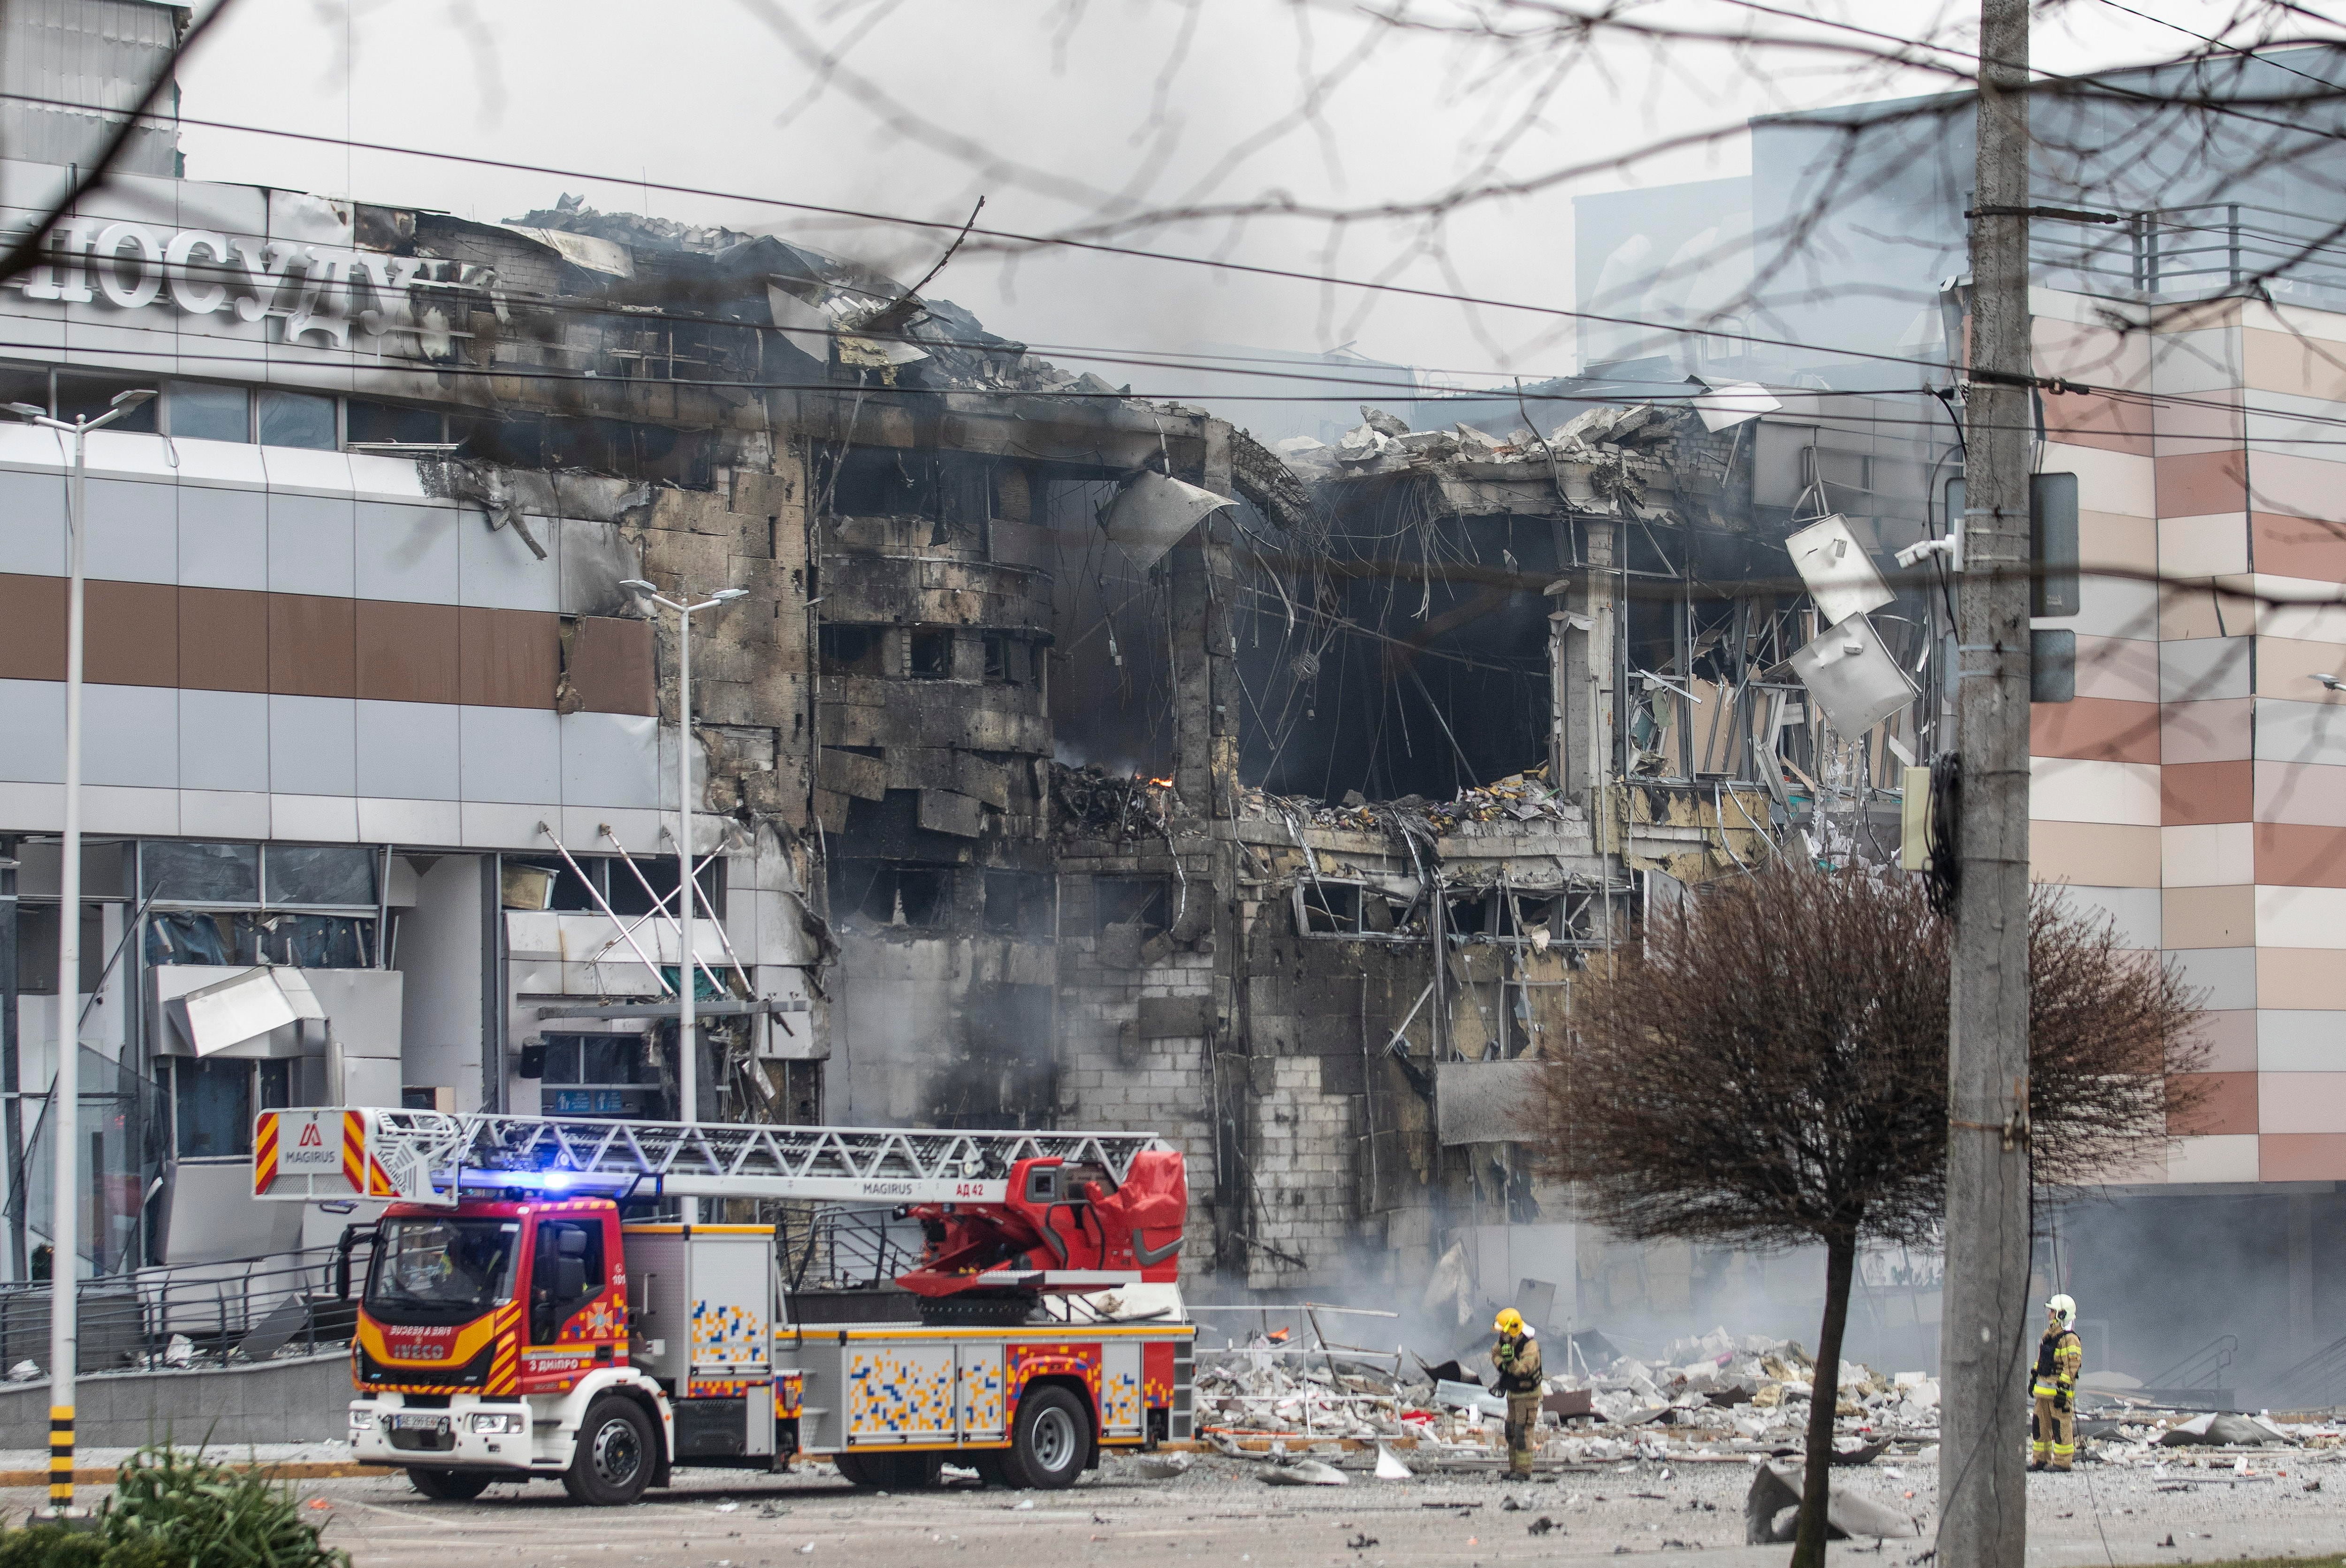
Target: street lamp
x,y
687,1055
65,1097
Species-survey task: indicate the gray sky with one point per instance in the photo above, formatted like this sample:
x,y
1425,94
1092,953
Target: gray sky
x,y
1073,98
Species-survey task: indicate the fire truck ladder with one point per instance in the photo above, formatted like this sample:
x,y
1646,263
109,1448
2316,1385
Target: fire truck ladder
x,y
432,1157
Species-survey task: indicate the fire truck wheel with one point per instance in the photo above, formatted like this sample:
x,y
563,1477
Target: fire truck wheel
x,y
450,1485
613,1460
1050,1441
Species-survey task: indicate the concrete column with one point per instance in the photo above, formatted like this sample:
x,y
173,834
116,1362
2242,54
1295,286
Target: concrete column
x,y
1206,696
1581,648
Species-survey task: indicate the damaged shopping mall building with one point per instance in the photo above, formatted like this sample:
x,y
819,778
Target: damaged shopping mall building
x,y
1021,763
1072,757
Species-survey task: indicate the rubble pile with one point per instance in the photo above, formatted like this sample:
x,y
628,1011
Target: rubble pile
x,y
1606,440
1717,1393
1093,801
1519,797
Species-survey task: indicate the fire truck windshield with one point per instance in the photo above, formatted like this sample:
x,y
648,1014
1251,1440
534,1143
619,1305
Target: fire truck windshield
x,y
441,1270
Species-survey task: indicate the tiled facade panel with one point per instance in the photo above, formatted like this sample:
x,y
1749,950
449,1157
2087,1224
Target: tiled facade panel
x,y
2226,1103
2301,1156
2093,854
2241,868
2298,792
2196,484
2207,917
2194,793
160,738
2214,731
2095,728
2301,1041
224,639
2296,854
2290,546
306,644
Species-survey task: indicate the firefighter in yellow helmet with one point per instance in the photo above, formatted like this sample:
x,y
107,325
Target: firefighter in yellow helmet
x,y
1516,1358
2060,1356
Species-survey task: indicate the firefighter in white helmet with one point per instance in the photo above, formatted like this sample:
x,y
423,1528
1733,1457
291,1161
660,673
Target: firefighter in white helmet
x,y
2060,1356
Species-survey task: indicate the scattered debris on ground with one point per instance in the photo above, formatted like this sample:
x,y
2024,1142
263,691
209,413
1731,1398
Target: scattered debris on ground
x,y
1718,1398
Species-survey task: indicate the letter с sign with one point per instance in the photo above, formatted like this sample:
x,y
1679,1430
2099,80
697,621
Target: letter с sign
x,y
315,290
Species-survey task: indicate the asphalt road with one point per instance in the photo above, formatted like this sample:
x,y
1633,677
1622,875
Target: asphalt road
x,y
1220,1513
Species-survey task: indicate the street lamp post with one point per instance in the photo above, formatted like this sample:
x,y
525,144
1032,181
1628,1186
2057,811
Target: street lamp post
x,y
65,1097
687,1054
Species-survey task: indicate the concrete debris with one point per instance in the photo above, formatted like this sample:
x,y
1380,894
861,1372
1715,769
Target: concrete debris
x,y
1519,797
2222,1431
1160,1466
1716,1395
1302,1472
1389,1468
1771,1510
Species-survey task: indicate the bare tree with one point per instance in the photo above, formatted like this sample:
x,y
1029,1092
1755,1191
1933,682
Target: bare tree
x,y
1769,1067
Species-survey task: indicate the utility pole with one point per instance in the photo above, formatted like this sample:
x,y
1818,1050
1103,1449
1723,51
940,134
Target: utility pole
x,y
66,1197
1982,1486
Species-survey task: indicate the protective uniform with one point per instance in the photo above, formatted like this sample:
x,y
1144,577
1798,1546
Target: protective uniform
x,y
1516,1358
2060,1356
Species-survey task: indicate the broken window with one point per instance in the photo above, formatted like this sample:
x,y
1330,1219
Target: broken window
x,y
213,1104
1340,907
628,896
1009,659
1329,909
373,423
37,948
605,1075
1021,903
931,656
295,419
534,882
880,482
951,487
891,892
197,410
86,396
854,650
1005,1076
1126,900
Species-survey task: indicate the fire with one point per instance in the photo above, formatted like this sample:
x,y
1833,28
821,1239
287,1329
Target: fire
x,y
1162,783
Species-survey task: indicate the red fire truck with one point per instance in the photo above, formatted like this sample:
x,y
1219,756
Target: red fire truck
x,y
512,1324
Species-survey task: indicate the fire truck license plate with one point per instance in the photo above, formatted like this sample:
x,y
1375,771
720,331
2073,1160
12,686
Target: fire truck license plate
x,y
419,1423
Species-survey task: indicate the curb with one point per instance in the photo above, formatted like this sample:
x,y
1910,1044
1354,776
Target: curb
x,y
319,1469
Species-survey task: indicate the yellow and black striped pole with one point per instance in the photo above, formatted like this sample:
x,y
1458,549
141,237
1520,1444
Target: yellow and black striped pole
x,y
61,1459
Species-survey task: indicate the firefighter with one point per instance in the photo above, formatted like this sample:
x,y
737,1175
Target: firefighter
x,y
2060,1355
1518,1358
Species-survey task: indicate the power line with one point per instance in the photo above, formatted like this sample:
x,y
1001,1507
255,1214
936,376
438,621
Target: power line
x,y
2248,53
1040,241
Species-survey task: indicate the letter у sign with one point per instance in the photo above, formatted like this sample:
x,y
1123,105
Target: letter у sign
x,y
411,307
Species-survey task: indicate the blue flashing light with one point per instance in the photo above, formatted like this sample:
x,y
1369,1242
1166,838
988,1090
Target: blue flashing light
x,y
558,1181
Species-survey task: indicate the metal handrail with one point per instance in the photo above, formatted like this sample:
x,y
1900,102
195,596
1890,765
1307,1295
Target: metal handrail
x,y
2203,1367
2317,1378
2191,248
242,1308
